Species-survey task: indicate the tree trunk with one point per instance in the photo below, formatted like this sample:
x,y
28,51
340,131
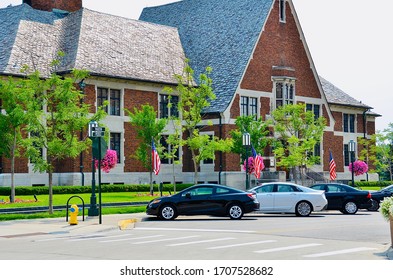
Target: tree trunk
x,y
12,197
50,176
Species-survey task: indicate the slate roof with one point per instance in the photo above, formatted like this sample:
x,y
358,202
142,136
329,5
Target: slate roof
x,y
334,95
103,44
216,33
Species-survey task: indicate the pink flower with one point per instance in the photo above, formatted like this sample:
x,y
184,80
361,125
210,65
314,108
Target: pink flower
x,y
359,167
250,164
108,162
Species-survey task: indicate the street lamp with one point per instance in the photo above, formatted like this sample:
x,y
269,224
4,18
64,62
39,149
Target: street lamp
x,y
351,145
246,145
95,134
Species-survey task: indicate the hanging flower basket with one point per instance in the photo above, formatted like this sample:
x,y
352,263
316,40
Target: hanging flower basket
x,y
108,162
359,167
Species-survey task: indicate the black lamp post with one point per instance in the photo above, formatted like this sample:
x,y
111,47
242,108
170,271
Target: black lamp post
x,y
351,145
246,145
95,133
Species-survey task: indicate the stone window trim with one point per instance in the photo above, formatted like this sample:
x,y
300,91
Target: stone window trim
x,y
249,106
284,91
114,98
282,13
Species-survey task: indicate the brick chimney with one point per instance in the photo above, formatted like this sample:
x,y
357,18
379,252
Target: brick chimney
x,y
49,5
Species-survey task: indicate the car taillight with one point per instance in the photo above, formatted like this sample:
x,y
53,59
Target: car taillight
x,y
369,195
252,195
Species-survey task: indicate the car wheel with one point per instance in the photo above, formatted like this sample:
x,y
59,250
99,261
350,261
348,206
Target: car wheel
x,y
168,212
374,205
350,207
235,212
303,209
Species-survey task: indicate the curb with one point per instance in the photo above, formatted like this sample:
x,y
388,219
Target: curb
x,y
124,224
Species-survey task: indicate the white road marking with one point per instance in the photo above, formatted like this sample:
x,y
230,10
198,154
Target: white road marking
x,y
242,244
193,229
340,252
287,248
201,241
131,238
167,239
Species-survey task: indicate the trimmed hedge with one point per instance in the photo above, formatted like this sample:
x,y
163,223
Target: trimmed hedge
x,y
381,184
87,189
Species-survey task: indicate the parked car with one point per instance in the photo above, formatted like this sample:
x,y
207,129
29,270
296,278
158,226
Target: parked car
x,y
283,197
204,199
378,196
344,198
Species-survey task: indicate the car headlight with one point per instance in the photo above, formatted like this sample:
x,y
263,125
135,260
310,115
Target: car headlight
x,y
155,202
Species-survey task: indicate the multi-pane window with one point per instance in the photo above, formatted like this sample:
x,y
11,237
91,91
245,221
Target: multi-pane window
x,y
285,94
315,108
115,144
349,123
348,156
113,96
282,10
167,110
168,149
209,160
249,106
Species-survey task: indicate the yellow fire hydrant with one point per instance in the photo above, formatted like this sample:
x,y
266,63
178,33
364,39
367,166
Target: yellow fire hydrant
x,y
74,210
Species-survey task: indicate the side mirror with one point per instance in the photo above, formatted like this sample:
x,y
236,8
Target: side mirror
x,y
188,195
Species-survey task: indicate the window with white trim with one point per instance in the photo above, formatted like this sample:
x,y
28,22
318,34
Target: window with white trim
x,y
285,93
349,123
113,96
315,108
249,106
169,106
168,149
115,143
282,10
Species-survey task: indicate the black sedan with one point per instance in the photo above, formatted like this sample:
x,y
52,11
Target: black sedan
x,y
344,198
378,196
204,199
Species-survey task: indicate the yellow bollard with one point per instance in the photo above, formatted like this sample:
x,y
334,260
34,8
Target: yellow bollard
x,y
74,210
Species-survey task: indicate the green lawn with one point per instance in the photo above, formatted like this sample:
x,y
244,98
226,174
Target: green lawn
x,y
61,199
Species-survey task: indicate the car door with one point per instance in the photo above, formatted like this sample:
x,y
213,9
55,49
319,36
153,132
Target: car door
x,y
285,198
265,197
335,195
196,201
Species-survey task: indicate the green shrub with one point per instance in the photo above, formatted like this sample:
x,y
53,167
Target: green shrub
x,y
87,189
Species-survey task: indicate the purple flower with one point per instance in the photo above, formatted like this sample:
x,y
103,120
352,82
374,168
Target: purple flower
x,y
359,167
108,162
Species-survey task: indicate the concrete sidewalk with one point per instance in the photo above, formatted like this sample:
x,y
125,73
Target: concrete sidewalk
x,y
56,225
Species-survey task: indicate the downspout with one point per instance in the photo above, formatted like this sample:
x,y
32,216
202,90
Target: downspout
x,y
220,136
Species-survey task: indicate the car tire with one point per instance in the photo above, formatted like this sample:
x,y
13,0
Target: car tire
x,y
168,212
303,209
350,207
235,211
374,205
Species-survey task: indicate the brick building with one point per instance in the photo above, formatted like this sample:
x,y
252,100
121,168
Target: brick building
x,y
257,50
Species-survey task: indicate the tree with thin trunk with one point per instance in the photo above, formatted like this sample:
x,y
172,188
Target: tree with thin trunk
x,y
55,116
193,100
147,127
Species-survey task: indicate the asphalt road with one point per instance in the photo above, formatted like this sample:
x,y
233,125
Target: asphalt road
x,y
323,236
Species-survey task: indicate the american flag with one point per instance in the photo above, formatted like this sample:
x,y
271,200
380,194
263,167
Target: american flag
x,y
258,164
156,162
332,167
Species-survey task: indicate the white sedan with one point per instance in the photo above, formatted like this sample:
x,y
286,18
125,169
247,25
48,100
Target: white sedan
x,y
283,197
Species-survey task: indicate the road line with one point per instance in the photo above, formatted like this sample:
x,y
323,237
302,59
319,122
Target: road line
x,y
193,229
340,252
201,241
167,239
131,238
93,237
242,244
287,248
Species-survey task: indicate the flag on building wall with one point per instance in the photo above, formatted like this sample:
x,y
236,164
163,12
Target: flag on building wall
x,y
156,162
332,167
258,163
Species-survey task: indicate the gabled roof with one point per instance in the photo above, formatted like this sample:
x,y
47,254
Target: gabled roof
x,y
103,44
336,96
217,33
